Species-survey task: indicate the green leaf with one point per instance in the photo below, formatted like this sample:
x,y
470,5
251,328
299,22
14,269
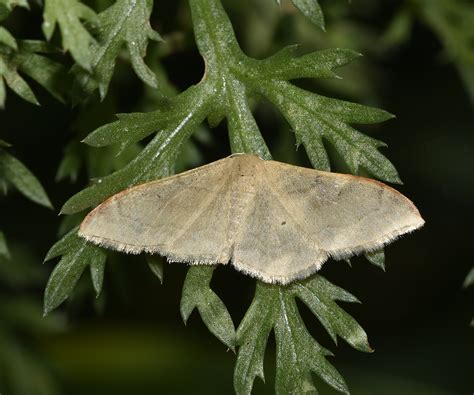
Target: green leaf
x,y
298,354
14,81
311,10
252,337
67,14
125,22
97,267
197,294
7,39
18,174
4,252
49,74
77,155
155,264
77,254
316,295
377,258
313,117
158,158
231,81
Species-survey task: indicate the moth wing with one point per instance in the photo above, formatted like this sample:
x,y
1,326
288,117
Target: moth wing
x,y
270,243
185,217
343,214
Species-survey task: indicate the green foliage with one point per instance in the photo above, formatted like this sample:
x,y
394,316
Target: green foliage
x,y
310,9
156,266
17,174
125,22
377,258
197,294
26,57
67,14
76,254
298,354
232,79
232,83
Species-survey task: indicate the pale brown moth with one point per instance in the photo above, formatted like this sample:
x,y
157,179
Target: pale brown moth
x,y
271,220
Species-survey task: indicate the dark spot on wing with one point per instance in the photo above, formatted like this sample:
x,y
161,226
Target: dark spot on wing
x,y
283,223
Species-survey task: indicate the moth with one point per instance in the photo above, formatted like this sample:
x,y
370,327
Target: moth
x,y
274,221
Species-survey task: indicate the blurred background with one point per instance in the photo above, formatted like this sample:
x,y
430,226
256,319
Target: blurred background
x,y
418,64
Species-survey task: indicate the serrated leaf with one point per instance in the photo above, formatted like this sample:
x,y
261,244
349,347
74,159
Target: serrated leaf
x,y
49,74
4,251
313,117
244,134
298,353
156,160
231,81
332,291
336,321
377,258
197,294
252,336
287,65
126,22
77,254
18,174
67,14
155,264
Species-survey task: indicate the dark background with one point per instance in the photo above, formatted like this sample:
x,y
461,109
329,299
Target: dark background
x,y
417,314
